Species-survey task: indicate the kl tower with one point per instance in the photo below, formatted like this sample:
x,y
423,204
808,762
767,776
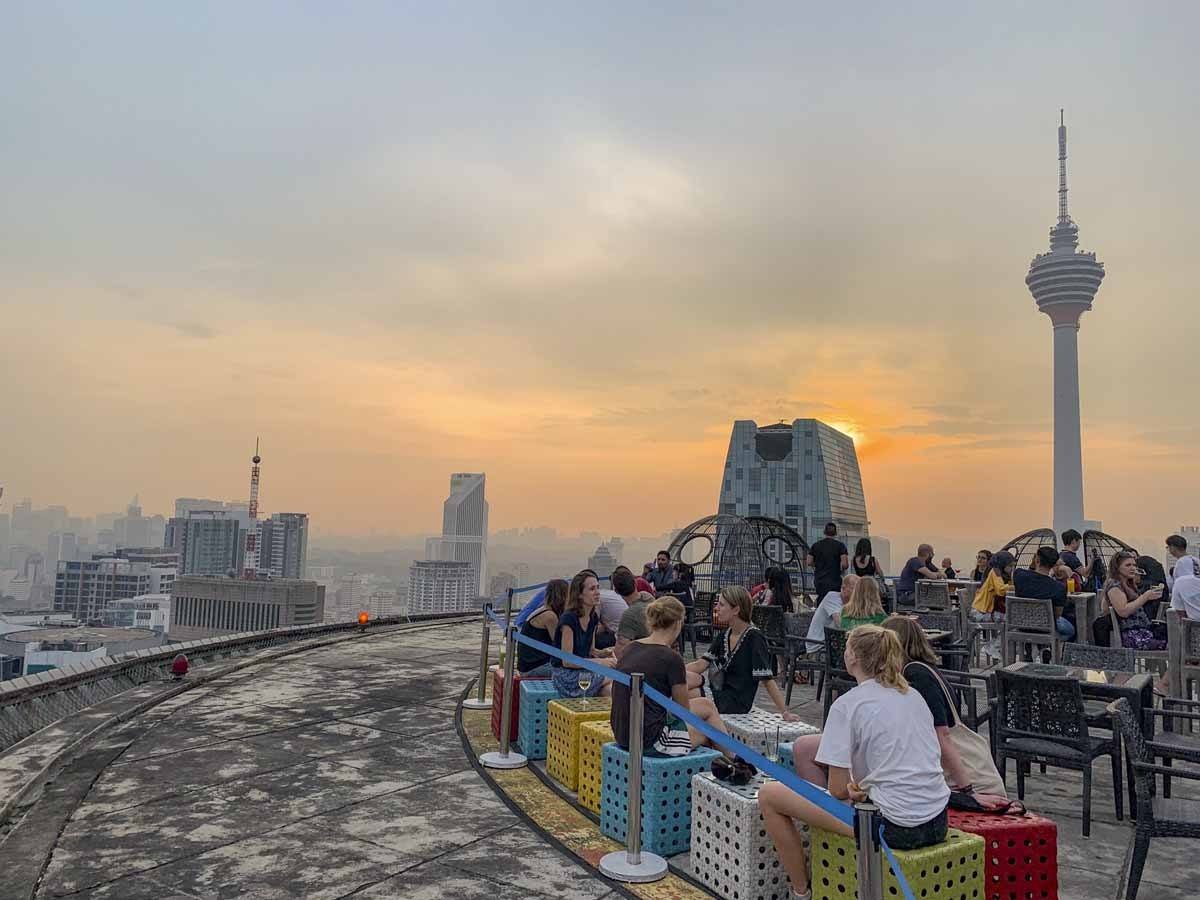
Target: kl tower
x,y
1063,283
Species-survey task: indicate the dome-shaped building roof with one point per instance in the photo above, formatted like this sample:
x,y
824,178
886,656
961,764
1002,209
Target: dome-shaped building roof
x,y
726,549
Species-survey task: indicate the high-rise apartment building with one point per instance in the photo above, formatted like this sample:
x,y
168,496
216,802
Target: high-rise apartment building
x,y
85,588
616,546
464,527
441,586
283,545
803,474
206,606
209,542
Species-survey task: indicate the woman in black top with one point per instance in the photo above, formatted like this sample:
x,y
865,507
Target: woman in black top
x,y
663,734
983,562
576,634
865,565
541,626
779,589
738,660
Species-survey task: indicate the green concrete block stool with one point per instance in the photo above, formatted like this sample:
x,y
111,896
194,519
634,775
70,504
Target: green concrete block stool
x,y
951,870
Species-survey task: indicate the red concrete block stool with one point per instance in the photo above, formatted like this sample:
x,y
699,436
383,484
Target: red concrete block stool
x,y
498,698
1021,854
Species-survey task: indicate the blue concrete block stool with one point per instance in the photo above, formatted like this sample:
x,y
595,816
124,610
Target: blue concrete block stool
x,y
785,757
532,721
666,798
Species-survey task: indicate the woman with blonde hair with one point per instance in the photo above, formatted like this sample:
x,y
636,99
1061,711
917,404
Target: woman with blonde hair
x,y
738,660
662,668
865,606
878,744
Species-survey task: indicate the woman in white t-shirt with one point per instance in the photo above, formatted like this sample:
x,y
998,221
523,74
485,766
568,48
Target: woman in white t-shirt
x,y
878,743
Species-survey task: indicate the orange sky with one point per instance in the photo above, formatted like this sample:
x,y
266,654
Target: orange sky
x,y
576,283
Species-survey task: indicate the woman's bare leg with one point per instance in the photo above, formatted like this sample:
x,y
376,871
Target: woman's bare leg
x,y
780,805
804,757
706,710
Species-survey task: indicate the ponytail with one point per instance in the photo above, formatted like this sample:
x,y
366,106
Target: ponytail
x,y
879,655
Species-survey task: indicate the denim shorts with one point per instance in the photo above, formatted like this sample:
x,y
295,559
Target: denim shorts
x,y
903,837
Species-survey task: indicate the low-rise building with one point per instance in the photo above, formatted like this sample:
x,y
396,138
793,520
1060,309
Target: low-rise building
x,y
206,606
56,648
149,611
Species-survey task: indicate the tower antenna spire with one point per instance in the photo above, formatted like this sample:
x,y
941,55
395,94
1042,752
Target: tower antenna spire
x,y
1063,217
250,562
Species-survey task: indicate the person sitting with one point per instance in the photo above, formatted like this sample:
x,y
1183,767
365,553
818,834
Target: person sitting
x,y
645,586
878,744
779,590
865,606
613,603
989,599
683,587
633,626
541,626
983,561
921,671
827,612
738,660
948,568
535,603
662,574
757,590
576,634
663,669
1186,596
920,566
1124,594
1040,584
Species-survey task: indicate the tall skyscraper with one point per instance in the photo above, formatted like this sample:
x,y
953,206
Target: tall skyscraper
x,y
465,527
283,545
441,586
209,542
804,475
1063,283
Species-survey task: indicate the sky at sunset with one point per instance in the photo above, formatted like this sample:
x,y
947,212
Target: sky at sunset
x,y
569,244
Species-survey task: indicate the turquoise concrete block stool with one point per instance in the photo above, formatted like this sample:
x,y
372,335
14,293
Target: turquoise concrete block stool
x,y
532,721
666,798
785,757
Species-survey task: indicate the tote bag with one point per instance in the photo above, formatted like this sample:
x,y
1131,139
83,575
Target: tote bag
x,y
973,748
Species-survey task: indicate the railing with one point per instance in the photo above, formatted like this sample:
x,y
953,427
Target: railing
x,y
32,702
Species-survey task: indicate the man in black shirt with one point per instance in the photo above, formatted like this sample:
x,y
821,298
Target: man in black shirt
x,y
828,558
1038,584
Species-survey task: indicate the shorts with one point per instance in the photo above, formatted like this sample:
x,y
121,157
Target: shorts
x,y
904,837
566,682
542,671
673,740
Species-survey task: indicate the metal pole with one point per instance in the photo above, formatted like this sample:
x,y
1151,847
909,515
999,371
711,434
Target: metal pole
x,y
631,865
480,701
506,759
870,856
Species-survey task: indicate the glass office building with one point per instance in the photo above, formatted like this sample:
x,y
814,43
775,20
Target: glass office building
x,y
803,474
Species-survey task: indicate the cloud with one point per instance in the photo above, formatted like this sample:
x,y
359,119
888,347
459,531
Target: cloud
x,y
193,330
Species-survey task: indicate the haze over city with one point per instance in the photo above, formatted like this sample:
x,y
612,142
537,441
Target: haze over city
x,y
392,243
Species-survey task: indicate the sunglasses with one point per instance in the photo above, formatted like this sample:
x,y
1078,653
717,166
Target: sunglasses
x,y
737,771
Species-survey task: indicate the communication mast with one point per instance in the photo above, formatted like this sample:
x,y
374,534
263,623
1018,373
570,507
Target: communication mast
x,y
250,565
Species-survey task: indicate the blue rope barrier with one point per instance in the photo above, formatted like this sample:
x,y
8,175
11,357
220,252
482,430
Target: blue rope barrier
x,y
843,812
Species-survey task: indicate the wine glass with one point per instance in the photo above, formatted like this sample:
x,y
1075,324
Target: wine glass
x,y
585,681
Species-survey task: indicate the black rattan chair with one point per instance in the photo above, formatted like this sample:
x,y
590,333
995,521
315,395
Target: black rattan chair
x,y
1156,816
799,659
835,677
770,621
1029,621
1112,659
700,621
1042,719
933,595
1172,743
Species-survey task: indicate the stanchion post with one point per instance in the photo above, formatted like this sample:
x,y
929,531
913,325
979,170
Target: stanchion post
x,y
480,700
631,865
870,855
505,759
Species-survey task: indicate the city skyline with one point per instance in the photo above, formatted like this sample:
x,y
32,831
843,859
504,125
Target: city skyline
x,y
489,271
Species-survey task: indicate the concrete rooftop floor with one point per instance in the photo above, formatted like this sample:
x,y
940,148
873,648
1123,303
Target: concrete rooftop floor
x,y
338,772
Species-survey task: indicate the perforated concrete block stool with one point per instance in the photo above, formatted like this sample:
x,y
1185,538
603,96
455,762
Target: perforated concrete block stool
x,y
531,731
732,854
592,738
666,798
785,758
1021,854
951,870
562,735
514,721
759,729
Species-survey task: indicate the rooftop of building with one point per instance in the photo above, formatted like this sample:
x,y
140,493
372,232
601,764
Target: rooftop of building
x,y
88,633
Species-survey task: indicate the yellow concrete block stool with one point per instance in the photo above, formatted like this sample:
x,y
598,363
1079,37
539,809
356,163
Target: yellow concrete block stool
x,y
592,738
951,870
562,735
